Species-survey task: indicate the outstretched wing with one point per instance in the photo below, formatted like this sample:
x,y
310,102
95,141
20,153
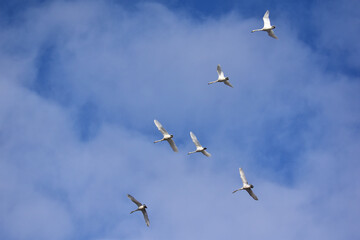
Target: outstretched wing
x,y
146,217
242,175
160,127
266,19
219,71
228,83
134,200
194,139
272,34
206,153
172,144
251,193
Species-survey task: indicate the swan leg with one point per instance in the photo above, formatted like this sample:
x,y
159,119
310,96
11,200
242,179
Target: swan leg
x,y
191,152
256,30
159,140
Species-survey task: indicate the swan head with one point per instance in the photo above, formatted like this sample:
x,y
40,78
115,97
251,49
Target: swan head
x,y
145,206
226,78
251,186
171,136
205,148
273,26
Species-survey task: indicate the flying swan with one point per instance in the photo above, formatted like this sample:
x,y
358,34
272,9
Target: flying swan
x,y
221,77
199,148
141,207
166,137
246,185
267,26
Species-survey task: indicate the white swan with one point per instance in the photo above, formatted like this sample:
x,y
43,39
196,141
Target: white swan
x,y
168,137
267,26
199,148
221,77
141,207
246,185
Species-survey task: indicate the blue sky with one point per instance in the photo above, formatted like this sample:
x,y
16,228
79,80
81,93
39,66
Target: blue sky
x,y
82,81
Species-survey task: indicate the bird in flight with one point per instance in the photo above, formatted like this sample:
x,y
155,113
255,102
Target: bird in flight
x,y
246,185
267,26
141,207
168,137
221,77
199,148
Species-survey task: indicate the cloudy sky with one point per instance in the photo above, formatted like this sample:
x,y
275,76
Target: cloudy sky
x,y
82,81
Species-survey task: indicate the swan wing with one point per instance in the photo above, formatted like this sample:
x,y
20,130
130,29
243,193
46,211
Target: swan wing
x,y
266,20
251,193
172,144
134,200
160,127
146,217
194,139
242,175
206,153
228,83
272,34
219,71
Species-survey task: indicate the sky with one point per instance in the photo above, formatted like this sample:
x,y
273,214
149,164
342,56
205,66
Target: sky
x,y
82,81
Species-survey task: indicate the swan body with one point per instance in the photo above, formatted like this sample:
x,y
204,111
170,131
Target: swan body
x,y
168,137
199,148
246,185
221,77
141,207
267,26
